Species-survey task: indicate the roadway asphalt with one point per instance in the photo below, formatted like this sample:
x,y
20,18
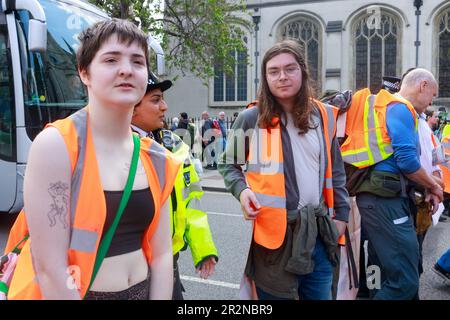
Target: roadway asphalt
x,y
232,235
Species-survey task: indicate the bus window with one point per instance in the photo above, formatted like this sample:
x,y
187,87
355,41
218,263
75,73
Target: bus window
x,y
7,119
51,84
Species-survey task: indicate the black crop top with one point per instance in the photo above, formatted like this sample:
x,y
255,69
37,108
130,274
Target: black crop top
x,y
136,218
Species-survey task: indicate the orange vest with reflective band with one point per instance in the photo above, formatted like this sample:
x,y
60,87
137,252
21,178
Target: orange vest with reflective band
x,y
367,140
265,176
88,207
445,167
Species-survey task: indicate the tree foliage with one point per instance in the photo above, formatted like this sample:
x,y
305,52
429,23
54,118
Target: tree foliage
x,y
195,34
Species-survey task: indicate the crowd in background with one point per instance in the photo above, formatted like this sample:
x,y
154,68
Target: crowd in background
x,y
209,132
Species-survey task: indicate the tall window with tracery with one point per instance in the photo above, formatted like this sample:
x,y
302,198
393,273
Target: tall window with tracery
x,y
232,87
308,33
444,54
376,50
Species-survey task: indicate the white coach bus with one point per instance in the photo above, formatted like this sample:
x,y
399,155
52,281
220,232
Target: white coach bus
x,y
39,82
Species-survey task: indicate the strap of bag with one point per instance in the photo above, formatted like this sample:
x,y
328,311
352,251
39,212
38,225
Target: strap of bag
x,y
104,245
351,259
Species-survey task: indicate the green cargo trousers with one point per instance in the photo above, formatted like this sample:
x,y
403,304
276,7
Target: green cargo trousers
x,y
395,250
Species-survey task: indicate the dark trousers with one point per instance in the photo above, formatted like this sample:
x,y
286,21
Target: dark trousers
x,y
420,240
178,289
363,291
393,245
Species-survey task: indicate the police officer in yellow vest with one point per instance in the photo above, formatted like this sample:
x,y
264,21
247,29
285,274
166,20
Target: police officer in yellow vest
x,y
382,134
189,223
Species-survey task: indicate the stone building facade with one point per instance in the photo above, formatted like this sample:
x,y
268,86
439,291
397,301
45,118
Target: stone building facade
x,y
349,44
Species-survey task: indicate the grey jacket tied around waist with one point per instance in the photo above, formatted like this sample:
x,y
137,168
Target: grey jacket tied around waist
x,y
309,221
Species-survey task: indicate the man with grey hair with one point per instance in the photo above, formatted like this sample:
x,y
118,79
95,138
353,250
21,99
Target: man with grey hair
x,y
386,210
223,129
207,140
420,86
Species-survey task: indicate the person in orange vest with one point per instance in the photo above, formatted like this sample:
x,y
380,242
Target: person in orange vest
x,y
386,144
76,173
294,188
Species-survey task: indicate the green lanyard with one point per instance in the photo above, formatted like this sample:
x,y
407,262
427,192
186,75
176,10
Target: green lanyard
x,y
104,245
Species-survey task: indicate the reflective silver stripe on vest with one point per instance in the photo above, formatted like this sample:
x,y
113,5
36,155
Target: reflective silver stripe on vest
x,y
83,240
266,168
331,122
373,141
195,204
329,183
271,201
158,156
330,212
79,120
355,158
388,149
193,187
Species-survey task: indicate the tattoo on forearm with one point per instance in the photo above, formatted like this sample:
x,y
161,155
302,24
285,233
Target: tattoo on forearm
x,y
60,206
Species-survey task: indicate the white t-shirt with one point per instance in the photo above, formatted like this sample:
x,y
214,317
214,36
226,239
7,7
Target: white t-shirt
x,y
426,145
306,152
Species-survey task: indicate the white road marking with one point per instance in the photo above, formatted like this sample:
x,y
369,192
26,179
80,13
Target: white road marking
x,y
213,282
224,214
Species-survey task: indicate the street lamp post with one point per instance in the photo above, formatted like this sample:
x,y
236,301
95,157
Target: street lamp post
x,y
417,4
256,20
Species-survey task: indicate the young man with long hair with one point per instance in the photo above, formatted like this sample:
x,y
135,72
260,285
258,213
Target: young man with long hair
x,y
294,189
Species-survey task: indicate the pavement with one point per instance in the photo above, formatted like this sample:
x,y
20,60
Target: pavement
x,y
212,181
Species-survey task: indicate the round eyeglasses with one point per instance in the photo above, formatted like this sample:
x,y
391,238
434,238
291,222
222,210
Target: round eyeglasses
x,y
275,74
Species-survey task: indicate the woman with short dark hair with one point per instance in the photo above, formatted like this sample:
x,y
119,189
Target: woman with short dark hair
x,y
77,170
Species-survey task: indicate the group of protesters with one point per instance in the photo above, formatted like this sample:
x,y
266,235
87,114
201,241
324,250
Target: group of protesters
x,y
119,197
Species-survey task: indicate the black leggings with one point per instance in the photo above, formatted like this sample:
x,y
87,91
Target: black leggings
x,y
140,291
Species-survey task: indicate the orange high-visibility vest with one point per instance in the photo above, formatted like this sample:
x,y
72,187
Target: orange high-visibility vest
x,y
445,167
433,140
88,207
367,140
265,176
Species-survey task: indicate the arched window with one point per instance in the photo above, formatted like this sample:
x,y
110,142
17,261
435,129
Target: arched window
x,y
232,87
444,53
307,33
376,49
